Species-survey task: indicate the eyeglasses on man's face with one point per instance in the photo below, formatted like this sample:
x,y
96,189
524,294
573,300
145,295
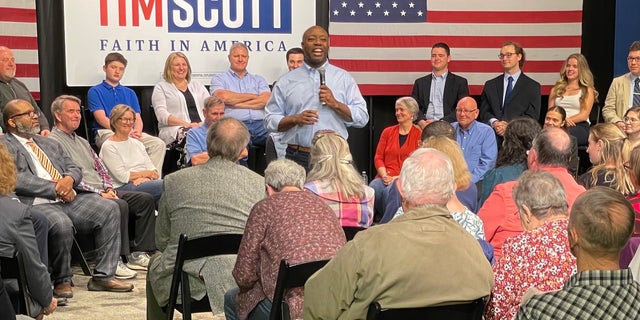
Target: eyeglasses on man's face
x,y
31,114
633,59
508,55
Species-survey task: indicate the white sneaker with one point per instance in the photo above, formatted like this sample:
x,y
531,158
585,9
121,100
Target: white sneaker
x,y
123,273
138,260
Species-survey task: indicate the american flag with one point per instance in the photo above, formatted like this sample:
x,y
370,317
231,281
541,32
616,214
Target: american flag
x,y
386,44
18,31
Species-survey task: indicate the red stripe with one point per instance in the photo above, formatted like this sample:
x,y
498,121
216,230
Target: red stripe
x,y
505,16
425,65
417,41
36,95
27,71
15,42
405,89
17,15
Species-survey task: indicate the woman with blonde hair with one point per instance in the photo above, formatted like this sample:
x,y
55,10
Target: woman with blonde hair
x,y
575,92
334,178
177,101
608,151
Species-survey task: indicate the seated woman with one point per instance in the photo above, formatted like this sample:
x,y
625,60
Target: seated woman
x,y
177,101
396,143
334,179
608,151
538,258
575,92
632,125
633,170
285,225
126,158
512,157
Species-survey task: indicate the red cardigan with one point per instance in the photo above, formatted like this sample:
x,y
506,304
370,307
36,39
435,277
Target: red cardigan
x,y
389,154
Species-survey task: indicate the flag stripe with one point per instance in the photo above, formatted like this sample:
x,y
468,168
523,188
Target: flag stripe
x,y
405,89
453,29
18,15
453,41
19,42
500,5
425,65
504,17
27,70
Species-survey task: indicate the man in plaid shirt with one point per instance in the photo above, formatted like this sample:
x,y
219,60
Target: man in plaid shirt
x,y
600,224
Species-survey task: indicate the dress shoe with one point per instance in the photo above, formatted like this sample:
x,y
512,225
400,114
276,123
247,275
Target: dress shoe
x,y
113,285
62,302
63,290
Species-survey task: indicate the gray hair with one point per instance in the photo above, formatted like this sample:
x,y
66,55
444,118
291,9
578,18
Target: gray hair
x,y
227,138
427,177
542,193
238,45
58,103
411,104
284,172
212,101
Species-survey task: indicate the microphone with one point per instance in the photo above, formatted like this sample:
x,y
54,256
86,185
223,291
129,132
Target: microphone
x,y
323,80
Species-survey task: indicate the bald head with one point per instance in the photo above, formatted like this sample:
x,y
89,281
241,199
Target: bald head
x,y
552,148
227,138
19,118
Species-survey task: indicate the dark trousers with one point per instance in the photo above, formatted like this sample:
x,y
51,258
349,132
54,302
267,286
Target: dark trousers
x,y
41,230
6,308
300,157
142,219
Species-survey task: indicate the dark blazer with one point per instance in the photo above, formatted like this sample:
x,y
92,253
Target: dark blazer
x,y
455,88
525,99
29,184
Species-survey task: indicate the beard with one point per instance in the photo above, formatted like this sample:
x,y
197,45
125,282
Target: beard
x,y
8,75
30,131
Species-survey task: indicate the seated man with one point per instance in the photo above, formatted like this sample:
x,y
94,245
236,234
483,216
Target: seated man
x,y
600,224
197,137
476,139
422,258
46,179
16,236
110,93
220,202
283,226
96,179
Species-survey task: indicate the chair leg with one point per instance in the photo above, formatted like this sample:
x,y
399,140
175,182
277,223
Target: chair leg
x,y
80,257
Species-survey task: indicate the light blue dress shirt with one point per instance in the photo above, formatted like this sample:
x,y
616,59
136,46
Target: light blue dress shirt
x,y
250,83
479,147
435,109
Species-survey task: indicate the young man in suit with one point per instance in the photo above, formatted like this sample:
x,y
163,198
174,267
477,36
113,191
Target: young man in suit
x,y
438,92
624,91
511,94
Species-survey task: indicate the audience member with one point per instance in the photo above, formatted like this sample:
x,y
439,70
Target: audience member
x,y
275,148
96,179
197,137
550,152
17,237
632,125
283,226
539,257
126,158
600,224
438,92
16,89
177,101
335,180
220,203
512,157
244,94
444,258
576,94
395,145
46,180
608,151
624,91
303,101
633,170
476,139
556,118
511,94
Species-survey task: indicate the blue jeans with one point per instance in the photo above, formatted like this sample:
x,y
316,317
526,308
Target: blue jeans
x,y
393,202
258,132
300,157
382,193
152,187
260,312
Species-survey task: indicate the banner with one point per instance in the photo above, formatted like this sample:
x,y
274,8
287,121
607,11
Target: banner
x,y
18,31
146,31
386,45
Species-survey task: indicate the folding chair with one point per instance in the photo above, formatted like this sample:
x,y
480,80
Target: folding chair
x,y
13,268
467,311
291,277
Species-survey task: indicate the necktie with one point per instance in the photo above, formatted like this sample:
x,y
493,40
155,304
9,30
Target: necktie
x,y
636,93
507,94
44,161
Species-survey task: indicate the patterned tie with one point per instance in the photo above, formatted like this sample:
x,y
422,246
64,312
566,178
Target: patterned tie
x,y
507,94
44,161
636,93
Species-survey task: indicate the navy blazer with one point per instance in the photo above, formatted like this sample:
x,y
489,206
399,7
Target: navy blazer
x,y
525,99
455,88
29,185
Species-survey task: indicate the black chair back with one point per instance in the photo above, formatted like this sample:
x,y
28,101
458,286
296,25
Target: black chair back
x,y
13,268
350,232
467,311
291,277
219,244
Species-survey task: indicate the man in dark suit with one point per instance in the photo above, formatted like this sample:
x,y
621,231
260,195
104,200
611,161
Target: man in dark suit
x,y
511,94
46,179
438,92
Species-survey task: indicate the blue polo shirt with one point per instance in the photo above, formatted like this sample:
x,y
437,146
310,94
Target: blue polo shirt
x,y
104,97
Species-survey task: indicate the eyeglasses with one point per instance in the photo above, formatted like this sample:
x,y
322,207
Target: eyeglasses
x,y
465,111
633,59
127,119
508,55
630,120
29,113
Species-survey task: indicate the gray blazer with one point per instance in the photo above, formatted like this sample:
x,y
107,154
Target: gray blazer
x,y
212,198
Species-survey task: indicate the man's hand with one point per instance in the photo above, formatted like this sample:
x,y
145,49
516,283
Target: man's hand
x,y
136,134
326,96
500,127
109,194
68,197
307,117
140,181
64,186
